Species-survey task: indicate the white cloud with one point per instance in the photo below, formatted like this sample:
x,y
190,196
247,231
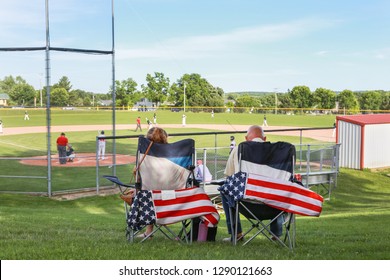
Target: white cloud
x,y
18,16
26,14
322,53
211,45
383,54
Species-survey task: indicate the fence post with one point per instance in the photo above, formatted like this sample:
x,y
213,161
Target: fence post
x,y
204,166
307,165
97,164
300,150
215,157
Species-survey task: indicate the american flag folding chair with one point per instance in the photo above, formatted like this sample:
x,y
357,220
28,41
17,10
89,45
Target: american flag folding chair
x,y
166,193
265,192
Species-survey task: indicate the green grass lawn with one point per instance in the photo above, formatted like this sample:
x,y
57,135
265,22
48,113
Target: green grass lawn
x,y
353,225
14,118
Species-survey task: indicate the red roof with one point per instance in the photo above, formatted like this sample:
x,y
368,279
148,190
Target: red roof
x,y
366,119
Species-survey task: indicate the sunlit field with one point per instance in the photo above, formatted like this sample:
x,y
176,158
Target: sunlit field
x,y
35,144
15,118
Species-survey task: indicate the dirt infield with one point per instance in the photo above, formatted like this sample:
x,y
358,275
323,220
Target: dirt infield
x,y
81,159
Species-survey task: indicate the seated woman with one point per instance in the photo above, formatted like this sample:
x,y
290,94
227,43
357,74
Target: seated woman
x,y
157,135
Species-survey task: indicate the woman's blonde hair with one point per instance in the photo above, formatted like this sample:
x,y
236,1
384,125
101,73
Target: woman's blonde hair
x,y
157,135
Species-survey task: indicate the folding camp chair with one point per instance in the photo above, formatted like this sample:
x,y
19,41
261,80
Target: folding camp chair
x,y
166,192
263,193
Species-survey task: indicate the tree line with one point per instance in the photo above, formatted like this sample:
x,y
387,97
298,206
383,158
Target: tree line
x,y
193,91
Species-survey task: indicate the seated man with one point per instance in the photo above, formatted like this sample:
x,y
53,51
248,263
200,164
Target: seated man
x,y
255,133
199,176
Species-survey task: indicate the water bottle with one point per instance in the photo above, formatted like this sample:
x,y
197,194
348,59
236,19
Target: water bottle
x,y
202,232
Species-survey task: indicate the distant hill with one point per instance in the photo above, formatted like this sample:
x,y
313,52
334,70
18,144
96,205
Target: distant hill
x,y
262,93
251,93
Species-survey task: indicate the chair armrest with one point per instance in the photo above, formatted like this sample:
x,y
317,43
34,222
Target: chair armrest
x,y
218,182
115,180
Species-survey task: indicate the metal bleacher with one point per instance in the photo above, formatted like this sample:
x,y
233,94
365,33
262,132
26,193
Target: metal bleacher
x,y
317,165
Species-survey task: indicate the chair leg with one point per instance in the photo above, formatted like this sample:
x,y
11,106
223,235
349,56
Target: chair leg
x,y
130,234
234,236
289,238
232,224
183,233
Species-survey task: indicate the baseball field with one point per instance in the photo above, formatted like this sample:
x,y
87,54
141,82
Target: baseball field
x,y
352,225
23,143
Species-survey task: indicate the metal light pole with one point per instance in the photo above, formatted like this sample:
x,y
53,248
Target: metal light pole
x,y
113,89
48,117
276,100
40,87
184,97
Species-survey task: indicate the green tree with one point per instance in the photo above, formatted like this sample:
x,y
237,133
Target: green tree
x,y
246,101
126,92
324,98
385,104
87,101
156,88
23,94
301,97
370,100
267,101
8,83
199,92
171,97
284,101
232,96
215,97
63,83
76,97
60,93
59,97
18,89
348,100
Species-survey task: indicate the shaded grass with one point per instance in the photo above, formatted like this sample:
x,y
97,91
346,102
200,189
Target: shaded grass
x,y
352,226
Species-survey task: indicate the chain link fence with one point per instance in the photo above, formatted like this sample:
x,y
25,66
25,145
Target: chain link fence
x,y
28,174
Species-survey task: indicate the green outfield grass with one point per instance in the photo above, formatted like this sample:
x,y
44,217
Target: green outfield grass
x,y
15,118
352,226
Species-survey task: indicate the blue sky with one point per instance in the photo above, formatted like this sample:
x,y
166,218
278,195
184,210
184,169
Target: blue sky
x,y
238,45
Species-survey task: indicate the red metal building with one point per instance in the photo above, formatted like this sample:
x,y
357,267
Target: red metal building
x,y
365,140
